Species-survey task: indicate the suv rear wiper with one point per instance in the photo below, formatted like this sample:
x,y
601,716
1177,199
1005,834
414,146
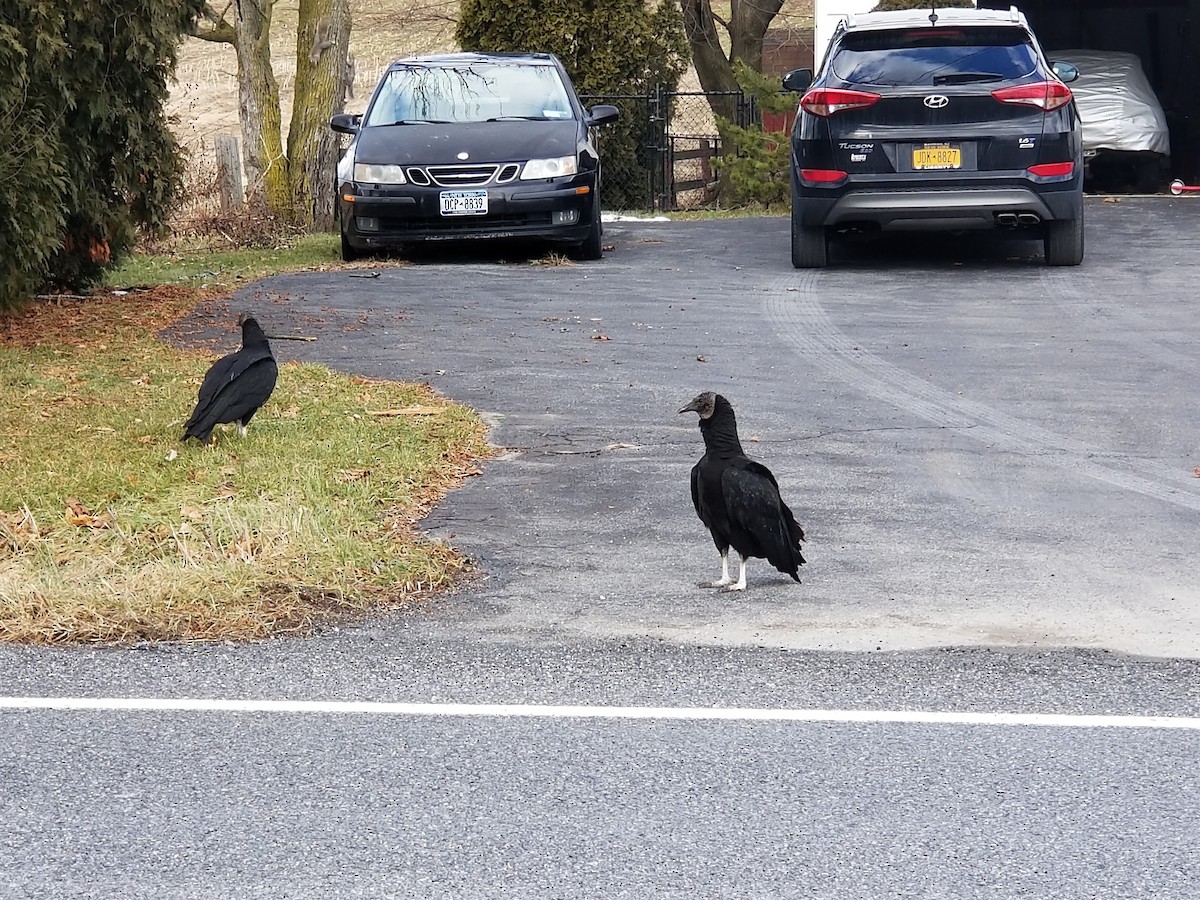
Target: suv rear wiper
x,y
966,77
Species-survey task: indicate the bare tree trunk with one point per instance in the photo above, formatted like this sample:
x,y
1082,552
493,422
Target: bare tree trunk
x,y
258,108
746,29
712,66
322,48
749,22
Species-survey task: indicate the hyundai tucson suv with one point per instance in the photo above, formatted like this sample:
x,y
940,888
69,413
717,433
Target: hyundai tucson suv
x,y
469,146
943,120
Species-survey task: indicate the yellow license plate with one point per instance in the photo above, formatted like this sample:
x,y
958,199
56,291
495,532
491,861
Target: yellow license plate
x,y
940,156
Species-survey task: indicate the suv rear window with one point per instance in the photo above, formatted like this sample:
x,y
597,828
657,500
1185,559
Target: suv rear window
x,y
934,56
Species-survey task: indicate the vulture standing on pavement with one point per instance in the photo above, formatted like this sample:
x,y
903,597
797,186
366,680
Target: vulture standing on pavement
x,y
235,386
738,498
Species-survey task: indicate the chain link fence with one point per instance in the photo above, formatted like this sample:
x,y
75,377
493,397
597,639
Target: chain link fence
x,y
659,154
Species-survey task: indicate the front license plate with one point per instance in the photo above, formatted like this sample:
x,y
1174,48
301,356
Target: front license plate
x,y
464,203
937,156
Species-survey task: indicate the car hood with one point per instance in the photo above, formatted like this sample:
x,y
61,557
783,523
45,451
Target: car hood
x,y
482,141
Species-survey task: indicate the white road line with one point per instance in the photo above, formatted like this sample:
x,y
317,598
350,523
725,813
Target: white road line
x,y
524,710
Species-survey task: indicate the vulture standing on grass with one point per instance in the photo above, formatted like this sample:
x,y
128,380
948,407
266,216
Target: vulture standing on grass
x,y
738,499
235,386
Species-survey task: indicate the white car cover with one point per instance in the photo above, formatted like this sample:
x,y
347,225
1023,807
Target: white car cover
x,y
1117,106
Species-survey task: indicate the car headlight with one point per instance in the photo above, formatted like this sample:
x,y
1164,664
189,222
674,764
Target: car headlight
x,y
550,168
376,173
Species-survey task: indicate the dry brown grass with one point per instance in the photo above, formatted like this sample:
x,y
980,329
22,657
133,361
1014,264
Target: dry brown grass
x,y
111,531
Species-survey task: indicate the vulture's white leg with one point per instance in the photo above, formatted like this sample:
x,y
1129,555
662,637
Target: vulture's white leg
x,y
241,429
725,579
740,584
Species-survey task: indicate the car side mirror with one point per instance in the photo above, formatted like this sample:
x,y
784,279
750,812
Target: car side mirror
x,y
602,114
798,80
1065,71
345,123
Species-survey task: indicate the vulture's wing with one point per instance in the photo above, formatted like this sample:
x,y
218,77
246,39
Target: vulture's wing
x,y
235,387
753,504
696,488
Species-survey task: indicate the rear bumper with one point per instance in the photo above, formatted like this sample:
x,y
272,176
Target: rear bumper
x,y
929,208
402,214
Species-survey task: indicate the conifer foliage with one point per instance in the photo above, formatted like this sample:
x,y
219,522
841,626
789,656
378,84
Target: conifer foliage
x,y
86,156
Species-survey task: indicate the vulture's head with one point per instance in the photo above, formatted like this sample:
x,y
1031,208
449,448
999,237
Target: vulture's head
x,y
705,404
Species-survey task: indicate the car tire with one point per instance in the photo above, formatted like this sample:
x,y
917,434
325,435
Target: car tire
x,y
349,254
1064,242
810,246
592,247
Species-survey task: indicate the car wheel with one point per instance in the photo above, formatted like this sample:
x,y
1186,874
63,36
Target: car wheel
x,y
592,248
1064,242
349,254
810,246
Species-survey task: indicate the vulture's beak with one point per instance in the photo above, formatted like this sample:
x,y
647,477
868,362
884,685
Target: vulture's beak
x,y
691,407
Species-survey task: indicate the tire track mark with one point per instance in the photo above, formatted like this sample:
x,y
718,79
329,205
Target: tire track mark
x,y
797,316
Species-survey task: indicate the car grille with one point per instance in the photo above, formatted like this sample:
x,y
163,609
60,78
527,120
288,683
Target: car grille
x,y
463,176
466,223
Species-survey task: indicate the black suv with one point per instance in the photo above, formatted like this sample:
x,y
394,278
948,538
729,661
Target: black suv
x,y
946,120
468,146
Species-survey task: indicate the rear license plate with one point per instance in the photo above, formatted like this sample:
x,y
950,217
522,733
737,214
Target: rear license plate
x,y
464,203
937,156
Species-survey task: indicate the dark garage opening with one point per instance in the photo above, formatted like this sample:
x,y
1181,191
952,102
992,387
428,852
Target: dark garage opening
x,y
1160,32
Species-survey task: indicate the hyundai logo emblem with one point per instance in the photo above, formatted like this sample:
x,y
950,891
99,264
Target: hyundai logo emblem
x,y
936,101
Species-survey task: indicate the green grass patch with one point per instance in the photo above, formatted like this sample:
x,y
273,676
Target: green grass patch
x,y
206,264
112,531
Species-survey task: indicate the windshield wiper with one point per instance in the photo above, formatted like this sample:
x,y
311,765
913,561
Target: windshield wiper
x,y
518,118
420,122
966,77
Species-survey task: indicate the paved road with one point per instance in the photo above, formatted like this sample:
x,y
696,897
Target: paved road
x,y
994,462
981,449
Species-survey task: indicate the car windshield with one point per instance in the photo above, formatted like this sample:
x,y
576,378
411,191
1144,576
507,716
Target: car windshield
x,y
476,92
934,56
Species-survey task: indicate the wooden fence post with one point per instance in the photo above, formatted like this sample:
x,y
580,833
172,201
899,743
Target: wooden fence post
x,y
229,173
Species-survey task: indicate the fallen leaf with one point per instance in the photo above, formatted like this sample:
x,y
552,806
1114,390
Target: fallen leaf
x,y
1196,472
353,474
191,512
701,359
172,455
601,337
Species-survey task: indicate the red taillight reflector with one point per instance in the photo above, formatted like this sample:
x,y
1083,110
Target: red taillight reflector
x,y
822,176
1052,170
825,102
1045,95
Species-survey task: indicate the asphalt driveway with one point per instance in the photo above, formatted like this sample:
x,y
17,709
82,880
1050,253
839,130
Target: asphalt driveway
x,y
982,450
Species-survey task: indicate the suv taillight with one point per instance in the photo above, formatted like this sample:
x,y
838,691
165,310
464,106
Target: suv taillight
x,y
825,102
1045,95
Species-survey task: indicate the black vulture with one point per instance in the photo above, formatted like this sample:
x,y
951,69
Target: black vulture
x,y
738,498
235,386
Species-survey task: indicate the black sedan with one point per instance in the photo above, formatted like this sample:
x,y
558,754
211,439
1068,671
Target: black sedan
x,y
468,146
